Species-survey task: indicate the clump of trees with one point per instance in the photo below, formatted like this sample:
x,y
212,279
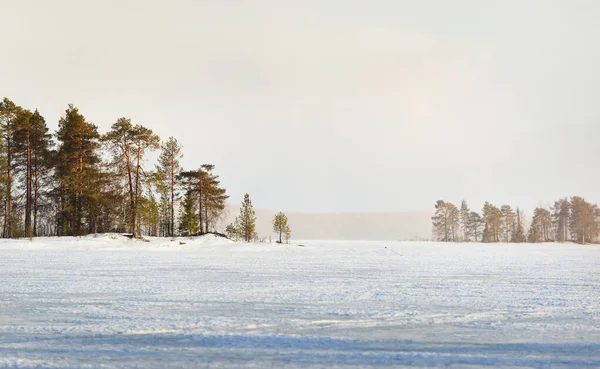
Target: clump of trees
x,y
574,220
205,194
78,181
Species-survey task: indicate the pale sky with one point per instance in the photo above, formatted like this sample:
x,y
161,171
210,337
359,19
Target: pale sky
x,y
333,106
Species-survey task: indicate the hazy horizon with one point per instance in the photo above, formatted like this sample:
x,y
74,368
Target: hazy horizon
x,y
333,107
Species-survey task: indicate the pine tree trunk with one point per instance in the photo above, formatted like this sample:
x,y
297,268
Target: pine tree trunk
x,y
206,212
35,198
79,212
137,194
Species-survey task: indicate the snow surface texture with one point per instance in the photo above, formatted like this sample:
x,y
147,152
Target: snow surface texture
x,y
109,302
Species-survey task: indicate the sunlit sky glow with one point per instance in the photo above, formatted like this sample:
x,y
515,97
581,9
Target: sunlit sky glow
x,y
333,106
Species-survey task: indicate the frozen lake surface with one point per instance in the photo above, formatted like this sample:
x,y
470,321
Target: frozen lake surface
x,y
114,303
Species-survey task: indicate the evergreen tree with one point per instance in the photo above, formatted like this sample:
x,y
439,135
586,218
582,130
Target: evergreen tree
x,y
507,222
233,230
23,162
464,220
211,197
77,161
247,220
446,221
128,145
519,235
151,214
281,226
188,219
584,224
214,197
541,225
561,214
41,163
534,235
3,183
454,219
8,116
441,223
475,225
106,212
492,223
169,168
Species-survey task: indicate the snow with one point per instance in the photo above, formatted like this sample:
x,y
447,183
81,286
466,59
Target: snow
x,y
110,302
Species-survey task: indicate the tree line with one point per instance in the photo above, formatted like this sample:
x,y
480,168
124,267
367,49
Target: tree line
x,y
77,181
568,220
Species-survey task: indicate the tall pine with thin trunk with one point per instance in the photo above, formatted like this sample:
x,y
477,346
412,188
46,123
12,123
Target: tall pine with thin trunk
x,y
169,168
41,163
519,235
8,115
128,145
464,220
561,215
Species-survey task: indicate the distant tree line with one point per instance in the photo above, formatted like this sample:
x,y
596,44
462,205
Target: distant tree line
x,y
78,181
568,220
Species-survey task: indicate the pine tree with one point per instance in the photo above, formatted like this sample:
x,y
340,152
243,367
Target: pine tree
x,y
446,221
561,214
534,235
492,223
169,169
454,219
3,182
214,197
107,202
188,219
77,161
475,225
519,235
584,224
464,220
247,220
128,145
8,115
441,223
211,196
541,225
23,162
507,222
151,214
281,226
41,162
233,230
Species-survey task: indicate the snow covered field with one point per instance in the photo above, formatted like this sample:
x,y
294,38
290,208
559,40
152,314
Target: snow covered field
x,y
110,302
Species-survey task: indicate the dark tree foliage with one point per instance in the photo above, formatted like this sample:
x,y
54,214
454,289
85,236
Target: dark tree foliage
x,y
85,182
77,166
209,194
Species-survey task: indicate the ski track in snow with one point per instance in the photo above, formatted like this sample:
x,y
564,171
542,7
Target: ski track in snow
x,y
109,302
